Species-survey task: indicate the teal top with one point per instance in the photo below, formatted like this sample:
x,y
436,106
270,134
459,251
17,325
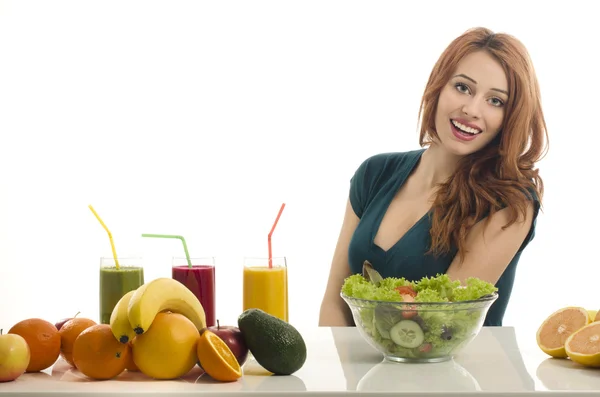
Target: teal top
x,y
372,189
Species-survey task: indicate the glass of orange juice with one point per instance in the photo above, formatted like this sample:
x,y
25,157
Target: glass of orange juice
x,y
265,287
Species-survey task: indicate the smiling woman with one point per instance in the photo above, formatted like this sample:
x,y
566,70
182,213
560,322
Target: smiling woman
x,y
466,203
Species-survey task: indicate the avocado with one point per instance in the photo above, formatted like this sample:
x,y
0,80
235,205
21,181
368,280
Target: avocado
x,y
275,344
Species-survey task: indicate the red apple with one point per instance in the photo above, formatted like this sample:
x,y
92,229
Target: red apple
x,y
62,322
14,356
232,336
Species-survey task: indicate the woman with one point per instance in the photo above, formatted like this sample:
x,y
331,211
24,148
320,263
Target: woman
x,y
466,203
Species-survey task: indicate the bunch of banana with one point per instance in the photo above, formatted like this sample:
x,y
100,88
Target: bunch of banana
x,y
119,320
136,310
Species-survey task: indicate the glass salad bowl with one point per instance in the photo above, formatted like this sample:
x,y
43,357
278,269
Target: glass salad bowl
x,y
419,331
428,320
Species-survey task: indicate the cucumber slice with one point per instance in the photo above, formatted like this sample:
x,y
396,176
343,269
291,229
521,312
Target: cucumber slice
x,y
407,333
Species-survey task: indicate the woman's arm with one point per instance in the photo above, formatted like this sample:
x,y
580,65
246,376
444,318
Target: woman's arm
x,y
490,249
334,311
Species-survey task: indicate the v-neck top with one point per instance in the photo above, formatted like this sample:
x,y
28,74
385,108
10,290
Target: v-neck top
x,y
372,188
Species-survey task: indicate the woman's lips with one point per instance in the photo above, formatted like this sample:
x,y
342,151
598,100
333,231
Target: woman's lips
x,y
463,136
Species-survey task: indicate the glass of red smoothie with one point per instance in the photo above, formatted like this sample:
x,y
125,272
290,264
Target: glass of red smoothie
x,y
200,279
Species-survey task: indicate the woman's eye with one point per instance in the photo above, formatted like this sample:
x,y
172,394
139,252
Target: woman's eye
x,y
462,88
496,102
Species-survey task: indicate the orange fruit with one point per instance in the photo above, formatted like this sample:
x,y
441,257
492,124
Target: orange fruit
x,y
583,346
43,340
130,365
216,358
556,329
98,354
168,349
68,333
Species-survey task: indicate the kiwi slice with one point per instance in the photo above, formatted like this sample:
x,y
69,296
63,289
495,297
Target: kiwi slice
x,y
407,333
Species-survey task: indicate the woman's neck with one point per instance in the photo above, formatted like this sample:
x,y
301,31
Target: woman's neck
x,y
436,166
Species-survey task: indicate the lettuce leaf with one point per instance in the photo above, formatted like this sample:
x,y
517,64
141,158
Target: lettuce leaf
x,y
429,289
475,289
441,284
430,295
356,286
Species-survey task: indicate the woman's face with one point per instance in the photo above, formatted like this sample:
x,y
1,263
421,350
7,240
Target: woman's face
x,y
471,105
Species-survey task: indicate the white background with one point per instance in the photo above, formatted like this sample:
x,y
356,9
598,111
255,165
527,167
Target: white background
x,y
200,119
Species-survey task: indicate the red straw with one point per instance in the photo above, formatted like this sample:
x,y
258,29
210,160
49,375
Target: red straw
x,y
271,233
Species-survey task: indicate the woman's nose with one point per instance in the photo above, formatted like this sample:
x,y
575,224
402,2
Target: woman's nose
x,y
472,108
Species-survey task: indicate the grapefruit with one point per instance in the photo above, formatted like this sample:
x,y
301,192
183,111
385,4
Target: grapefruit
x,y
554,331
168,349
583,346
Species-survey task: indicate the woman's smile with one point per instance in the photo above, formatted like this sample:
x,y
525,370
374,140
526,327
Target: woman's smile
x,y
463,130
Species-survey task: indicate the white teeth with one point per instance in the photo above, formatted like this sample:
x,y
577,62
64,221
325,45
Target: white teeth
x,y
464,128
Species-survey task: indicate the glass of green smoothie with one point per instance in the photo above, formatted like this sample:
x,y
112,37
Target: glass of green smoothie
x,y
116,281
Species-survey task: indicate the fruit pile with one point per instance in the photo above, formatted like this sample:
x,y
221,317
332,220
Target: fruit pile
x,y
158,329
572,333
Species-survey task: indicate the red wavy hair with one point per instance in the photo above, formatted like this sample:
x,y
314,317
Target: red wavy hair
x,y
499,175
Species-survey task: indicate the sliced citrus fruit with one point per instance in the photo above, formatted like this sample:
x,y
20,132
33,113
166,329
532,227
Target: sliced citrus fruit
x,y
554,331
593,314
597,318
583,346
216,358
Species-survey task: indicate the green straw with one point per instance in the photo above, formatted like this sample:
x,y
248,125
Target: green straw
x,y
187,255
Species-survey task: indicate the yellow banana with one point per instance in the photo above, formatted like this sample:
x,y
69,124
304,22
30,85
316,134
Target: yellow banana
x,y
159,295
119,320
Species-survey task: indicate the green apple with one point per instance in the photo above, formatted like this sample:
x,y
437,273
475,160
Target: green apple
x,y
14,356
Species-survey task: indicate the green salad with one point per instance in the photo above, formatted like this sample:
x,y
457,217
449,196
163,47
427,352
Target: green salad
x,y
434,329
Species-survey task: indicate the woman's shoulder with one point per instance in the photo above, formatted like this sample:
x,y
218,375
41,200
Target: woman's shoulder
x,y
376,171
388,162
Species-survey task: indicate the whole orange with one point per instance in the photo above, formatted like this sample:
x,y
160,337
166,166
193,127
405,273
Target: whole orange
x,y
68,333
130,365
43,340
168,349
98,354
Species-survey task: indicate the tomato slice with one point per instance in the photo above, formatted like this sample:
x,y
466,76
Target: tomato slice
x,y
408,295
425,347
406,290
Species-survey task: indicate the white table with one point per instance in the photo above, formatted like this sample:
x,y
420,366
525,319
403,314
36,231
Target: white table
x,y
340,362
